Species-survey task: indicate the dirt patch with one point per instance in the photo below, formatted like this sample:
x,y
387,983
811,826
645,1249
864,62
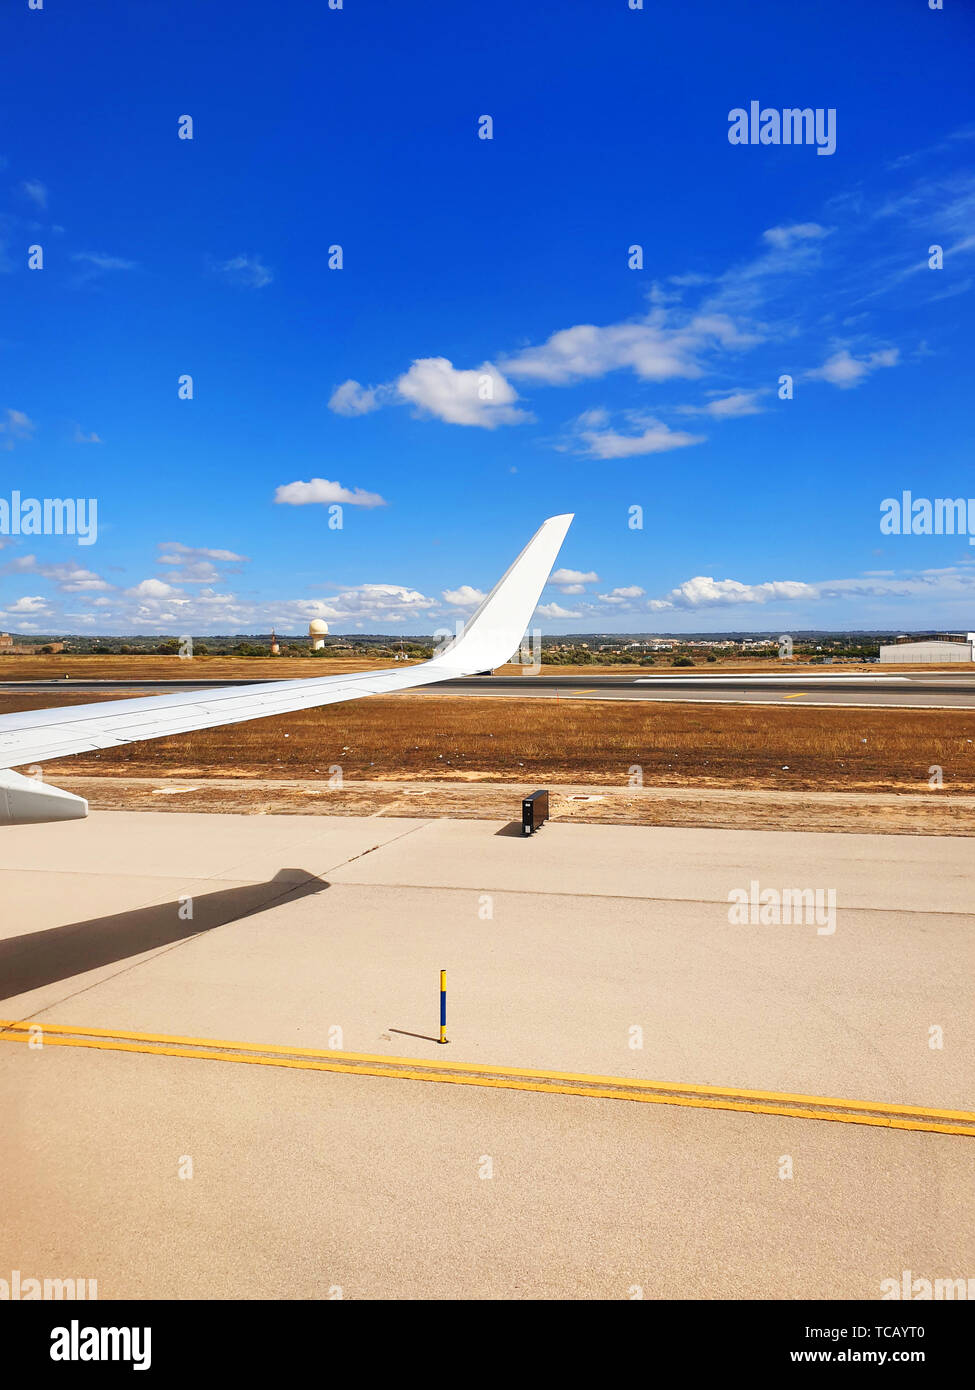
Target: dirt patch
x,y
591,804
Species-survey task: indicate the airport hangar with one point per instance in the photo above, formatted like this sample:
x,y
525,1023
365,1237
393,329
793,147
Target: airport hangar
x,y
950,647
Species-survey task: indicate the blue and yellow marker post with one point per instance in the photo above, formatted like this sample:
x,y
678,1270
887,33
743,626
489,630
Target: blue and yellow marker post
x,y
443,1006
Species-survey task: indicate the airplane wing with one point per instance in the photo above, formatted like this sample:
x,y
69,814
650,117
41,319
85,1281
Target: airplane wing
x,y
488,639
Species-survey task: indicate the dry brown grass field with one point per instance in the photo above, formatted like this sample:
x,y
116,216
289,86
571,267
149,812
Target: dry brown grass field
x,y
172,668
417,737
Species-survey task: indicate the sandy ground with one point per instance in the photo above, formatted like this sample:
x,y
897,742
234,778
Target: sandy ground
x,y
307,1183
944,813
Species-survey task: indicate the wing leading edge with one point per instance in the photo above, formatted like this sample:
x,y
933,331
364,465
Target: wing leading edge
x,y
488,639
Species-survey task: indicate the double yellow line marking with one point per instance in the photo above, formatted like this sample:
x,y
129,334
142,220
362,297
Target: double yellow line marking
x,y
860,1112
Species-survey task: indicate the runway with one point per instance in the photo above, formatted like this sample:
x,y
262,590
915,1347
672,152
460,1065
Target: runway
x,y
598,951
898,692
922,691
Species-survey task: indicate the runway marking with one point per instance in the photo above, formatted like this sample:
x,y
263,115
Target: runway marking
x,y
797,696
877,1113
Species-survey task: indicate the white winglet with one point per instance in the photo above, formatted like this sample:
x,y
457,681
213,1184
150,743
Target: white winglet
x,y
495,630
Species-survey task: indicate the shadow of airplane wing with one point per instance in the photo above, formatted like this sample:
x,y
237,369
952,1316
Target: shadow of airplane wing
x,y
41,958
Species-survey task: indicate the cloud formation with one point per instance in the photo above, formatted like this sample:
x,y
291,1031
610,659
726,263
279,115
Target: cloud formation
x,y
656,348
35,191
702,591
153,588
246,270
845,371
67,577
321,491
555,610
623,595
353,399
98,261
15,427
572,581
728,407
196,564
652,437
480,396
784,237
464,597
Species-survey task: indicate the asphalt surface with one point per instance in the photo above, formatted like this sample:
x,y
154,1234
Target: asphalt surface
x,y
563,952
923,691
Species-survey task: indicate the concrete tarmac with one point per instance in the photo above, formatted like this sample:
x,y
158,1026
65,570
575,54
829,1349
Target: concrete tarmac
x,y
563,951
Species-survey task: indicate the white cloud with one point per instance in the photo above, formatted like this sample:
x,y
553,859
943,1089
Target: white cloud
x,y
383,594
194,564
97,260
655,348
624,595
16,426
464,597
480,396
728,407
593,419
844,370
81,437
194,572
784,237
153,588
69,578
247,270
654,438
30,603
35,191
555,610
175,553
351,398
371,604
320,490
562,577
703,591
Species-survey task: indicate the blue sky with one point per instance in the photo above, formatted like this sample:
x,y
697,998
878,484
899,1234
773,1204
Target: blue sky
x,y
485,357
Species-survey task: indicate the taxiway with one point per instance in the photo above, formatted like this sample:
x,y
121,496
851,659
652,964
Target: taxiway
x,y
585,949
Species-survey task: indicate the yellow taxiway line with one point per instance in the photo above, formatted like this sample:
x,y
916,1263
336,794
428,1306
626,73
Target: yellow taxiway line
x,y
878,1113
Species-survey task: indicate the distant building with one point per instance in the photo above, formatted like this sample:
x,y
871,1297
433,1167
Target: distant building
x,y
929,650
317,631
8,647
